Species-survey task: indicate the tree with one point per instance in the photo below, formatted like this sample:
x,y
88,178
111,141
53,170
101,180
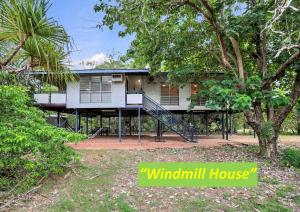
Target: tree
x,y
29,39
255,43
114,63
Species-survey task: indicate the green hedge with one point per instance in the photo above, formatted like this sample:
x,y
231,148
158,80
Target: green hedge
x,y
29,147
291,157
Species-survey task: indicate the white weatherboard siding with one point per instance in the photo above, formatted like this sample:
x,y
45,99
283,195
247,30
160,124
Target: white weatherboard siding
x,y
117,96
152,90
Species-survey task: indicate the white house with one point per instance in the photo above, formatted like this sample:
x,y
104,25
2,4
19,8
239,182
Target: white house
x,y
125,92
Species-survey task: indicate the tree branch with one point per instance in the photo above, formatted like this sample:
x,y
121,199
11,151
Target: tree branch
x,y
295,94
210,18
17,49
239,59
281,70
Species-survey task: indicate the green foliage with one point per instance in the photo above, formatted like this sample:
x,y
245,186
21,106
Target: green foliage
x,y
290,157
194,42
284,190
29,147
267,131
28,37
114,63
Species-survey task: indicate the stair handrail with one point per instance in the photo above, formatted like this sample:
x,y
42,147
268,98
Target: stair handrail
x,y
177,120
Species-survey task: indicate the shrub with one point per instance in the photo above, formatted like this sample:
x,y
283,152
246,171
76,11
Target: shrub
x,y
290,157
29,147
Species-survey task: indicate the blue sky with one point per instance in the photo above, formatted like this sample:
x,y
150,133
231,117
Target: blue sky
x,y
80,20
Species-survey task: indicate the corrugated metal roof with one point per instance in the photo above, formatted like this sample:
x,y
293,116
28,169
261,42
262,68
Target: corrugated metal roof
x,y
111,71
101,71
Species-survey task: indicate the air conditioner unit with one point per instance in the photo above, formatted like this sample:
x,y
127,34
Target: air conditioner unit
x,y
117,77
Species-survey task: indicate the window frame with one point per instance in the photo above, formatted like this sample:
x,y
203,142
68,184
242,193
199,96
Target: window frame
x,y
170,99
90,92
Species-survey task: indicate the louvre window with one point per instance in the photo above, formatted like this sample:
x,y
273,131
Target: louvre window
x,y
169,94
95,89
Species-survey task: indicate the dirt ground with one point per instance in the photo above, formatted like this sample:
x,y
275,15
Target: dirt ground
x,y
172,141
107,180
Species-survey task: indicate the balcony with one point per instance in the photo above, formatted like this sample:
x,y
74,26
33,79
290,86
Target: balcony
x,y
51,98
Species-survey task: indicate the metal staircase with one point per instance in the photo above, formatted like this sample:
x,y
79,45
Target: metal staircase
x,y
182,128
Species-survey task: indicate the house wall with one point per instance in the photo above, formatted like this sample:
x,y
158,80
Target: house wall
x,y
153,90
117,96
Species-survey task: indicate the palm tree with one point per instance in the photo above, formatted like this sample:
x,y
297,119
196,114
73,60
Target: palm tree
x,y
29,39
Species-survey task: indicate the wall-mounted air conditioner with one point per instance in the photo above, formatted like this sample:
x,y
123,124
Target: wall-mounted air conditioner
x,y
117,77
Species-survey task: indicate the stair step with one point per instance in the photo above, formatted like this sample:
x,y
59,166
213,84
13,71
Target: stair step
x,y
185,130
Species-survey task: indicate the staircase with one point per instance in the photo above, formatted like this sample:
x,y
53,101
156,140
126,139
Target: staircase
x,y
185,130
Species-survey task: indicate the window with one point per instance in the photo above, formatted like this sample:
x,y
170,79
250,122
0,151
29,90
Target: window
x,y
200,101
169,95
95,89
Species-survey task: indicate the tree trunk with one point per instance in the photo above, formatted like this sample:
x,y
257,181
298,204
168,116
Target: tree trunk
x,y
17,49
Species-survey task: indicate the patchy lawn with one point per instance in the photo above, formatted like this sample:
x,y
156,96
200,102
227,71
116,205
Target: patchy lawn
x,y
107,180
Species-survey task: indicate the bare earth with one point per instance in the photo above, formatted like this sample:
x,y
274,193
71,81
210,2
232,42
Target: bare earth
x,y
172,141
106,180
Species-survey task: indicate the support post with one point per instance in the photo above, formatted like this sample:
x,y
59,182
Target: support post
x,y
158,128
79,121
120,125
139,123
58,119
108,125
254,134
223,127
76,120
206,124
91,124
101,123
226,125
130,125
87,124
230,124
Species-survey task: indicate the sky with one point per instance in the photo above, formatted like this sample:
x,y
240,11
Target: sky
x,y
91,44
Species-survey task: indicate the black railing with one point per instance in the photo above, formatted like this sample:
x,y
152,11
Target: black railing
x,y
185,130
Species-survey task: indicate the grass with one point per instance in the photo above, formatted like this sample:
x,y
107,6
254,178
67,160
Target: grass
x,y
297,199
270,204
269,180
284,190
198,205
89,189
98,184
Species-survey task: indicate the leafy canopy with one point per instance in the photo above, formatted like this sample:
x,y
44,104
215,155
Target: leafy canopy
x,y
30,39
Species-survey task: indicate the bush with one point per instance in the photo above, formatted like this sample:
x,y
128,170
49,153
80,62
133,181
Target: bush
x,y
291,157
29,147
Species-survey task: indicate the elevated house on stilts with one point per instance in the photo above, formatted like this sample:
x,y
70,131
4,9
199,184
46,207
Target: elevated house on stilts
x,y
126,93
